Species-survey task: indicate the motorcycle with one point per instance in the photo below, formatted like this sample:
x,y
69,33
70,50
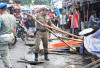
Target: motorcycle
x,y
14,41
21,33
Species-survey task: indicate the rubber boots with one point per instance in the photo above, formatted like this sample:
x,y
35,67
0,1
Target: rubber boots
x,y
36,56
46,56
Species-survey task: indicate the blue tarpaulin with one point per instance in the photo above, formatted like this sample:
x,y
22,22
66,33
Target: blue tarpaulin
x,y
98,24
92,44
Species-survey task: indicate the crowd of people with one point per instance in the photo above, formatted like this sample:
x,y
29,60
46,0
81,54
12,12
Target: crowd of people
x,y
47,17
64,20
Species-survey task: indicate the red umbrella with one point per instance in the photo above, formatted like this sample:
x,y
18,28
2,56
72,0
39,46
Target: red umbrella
x,y
38,10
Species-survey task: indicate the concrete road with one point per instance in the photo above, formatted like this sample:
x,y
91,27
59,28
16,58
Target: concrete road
x,y
20,51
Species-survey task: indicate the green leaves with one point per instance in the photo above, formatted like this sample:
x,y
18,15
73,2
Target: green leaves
x,y
35,2
26,2
42,2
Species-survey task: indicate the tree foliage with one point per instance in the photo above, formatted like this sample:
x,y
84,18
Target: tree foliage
x,y
26,2
42,2
35,2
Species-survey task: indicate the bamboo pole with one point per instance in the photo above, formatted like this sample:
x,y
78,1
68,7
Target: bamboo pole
x,y
61,39
61,30
92,64
96,66
71,39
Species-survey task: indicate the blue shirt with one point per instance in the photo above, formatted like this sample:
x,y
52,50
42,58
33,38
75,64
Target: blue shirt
x,y
91,22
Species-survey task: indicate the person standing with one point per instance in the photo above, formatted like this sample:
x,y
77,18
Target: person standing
x,y
24,18
56,19
76,21
41,33
7,33
30,25
52,20
63,21
92,20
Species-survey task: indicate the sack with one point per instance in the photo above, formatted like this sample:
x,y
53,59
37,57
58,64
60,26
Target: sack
x,y
8,38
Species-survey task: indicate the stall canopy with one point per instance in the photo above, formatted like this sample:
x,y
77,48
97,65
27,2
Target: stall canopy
x,y
38,6
17,6
25,8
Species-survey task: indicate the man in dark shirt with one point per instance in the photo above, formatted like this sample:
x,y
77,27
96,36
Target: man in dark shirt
x,y
30,25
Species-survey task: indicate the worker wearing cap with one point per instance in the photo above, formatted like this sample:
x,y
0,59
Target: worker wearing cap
x,y
7,33
41,33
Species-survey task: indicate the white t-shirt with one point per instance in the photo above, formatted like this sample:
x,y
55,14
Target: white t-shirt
x,y
63,19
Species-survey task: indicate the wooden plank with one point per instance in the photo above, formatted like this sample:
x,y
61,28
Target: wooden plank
x,y
75,46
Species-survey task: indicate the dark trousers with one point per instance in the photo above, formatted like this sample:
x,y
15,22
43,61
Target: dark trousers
x,y
75,31
56,22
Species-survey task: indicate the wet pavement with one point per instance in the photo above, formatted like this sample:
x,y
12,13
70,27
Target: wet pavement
x,y
20,51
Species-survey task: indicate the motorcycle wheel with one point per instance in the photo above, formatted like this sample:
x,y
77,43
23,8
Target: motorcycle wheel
x,y
14,42
23,35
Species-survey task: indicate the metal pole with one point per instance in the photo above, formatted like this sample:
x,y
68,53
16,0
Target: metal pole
x,y
73,16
